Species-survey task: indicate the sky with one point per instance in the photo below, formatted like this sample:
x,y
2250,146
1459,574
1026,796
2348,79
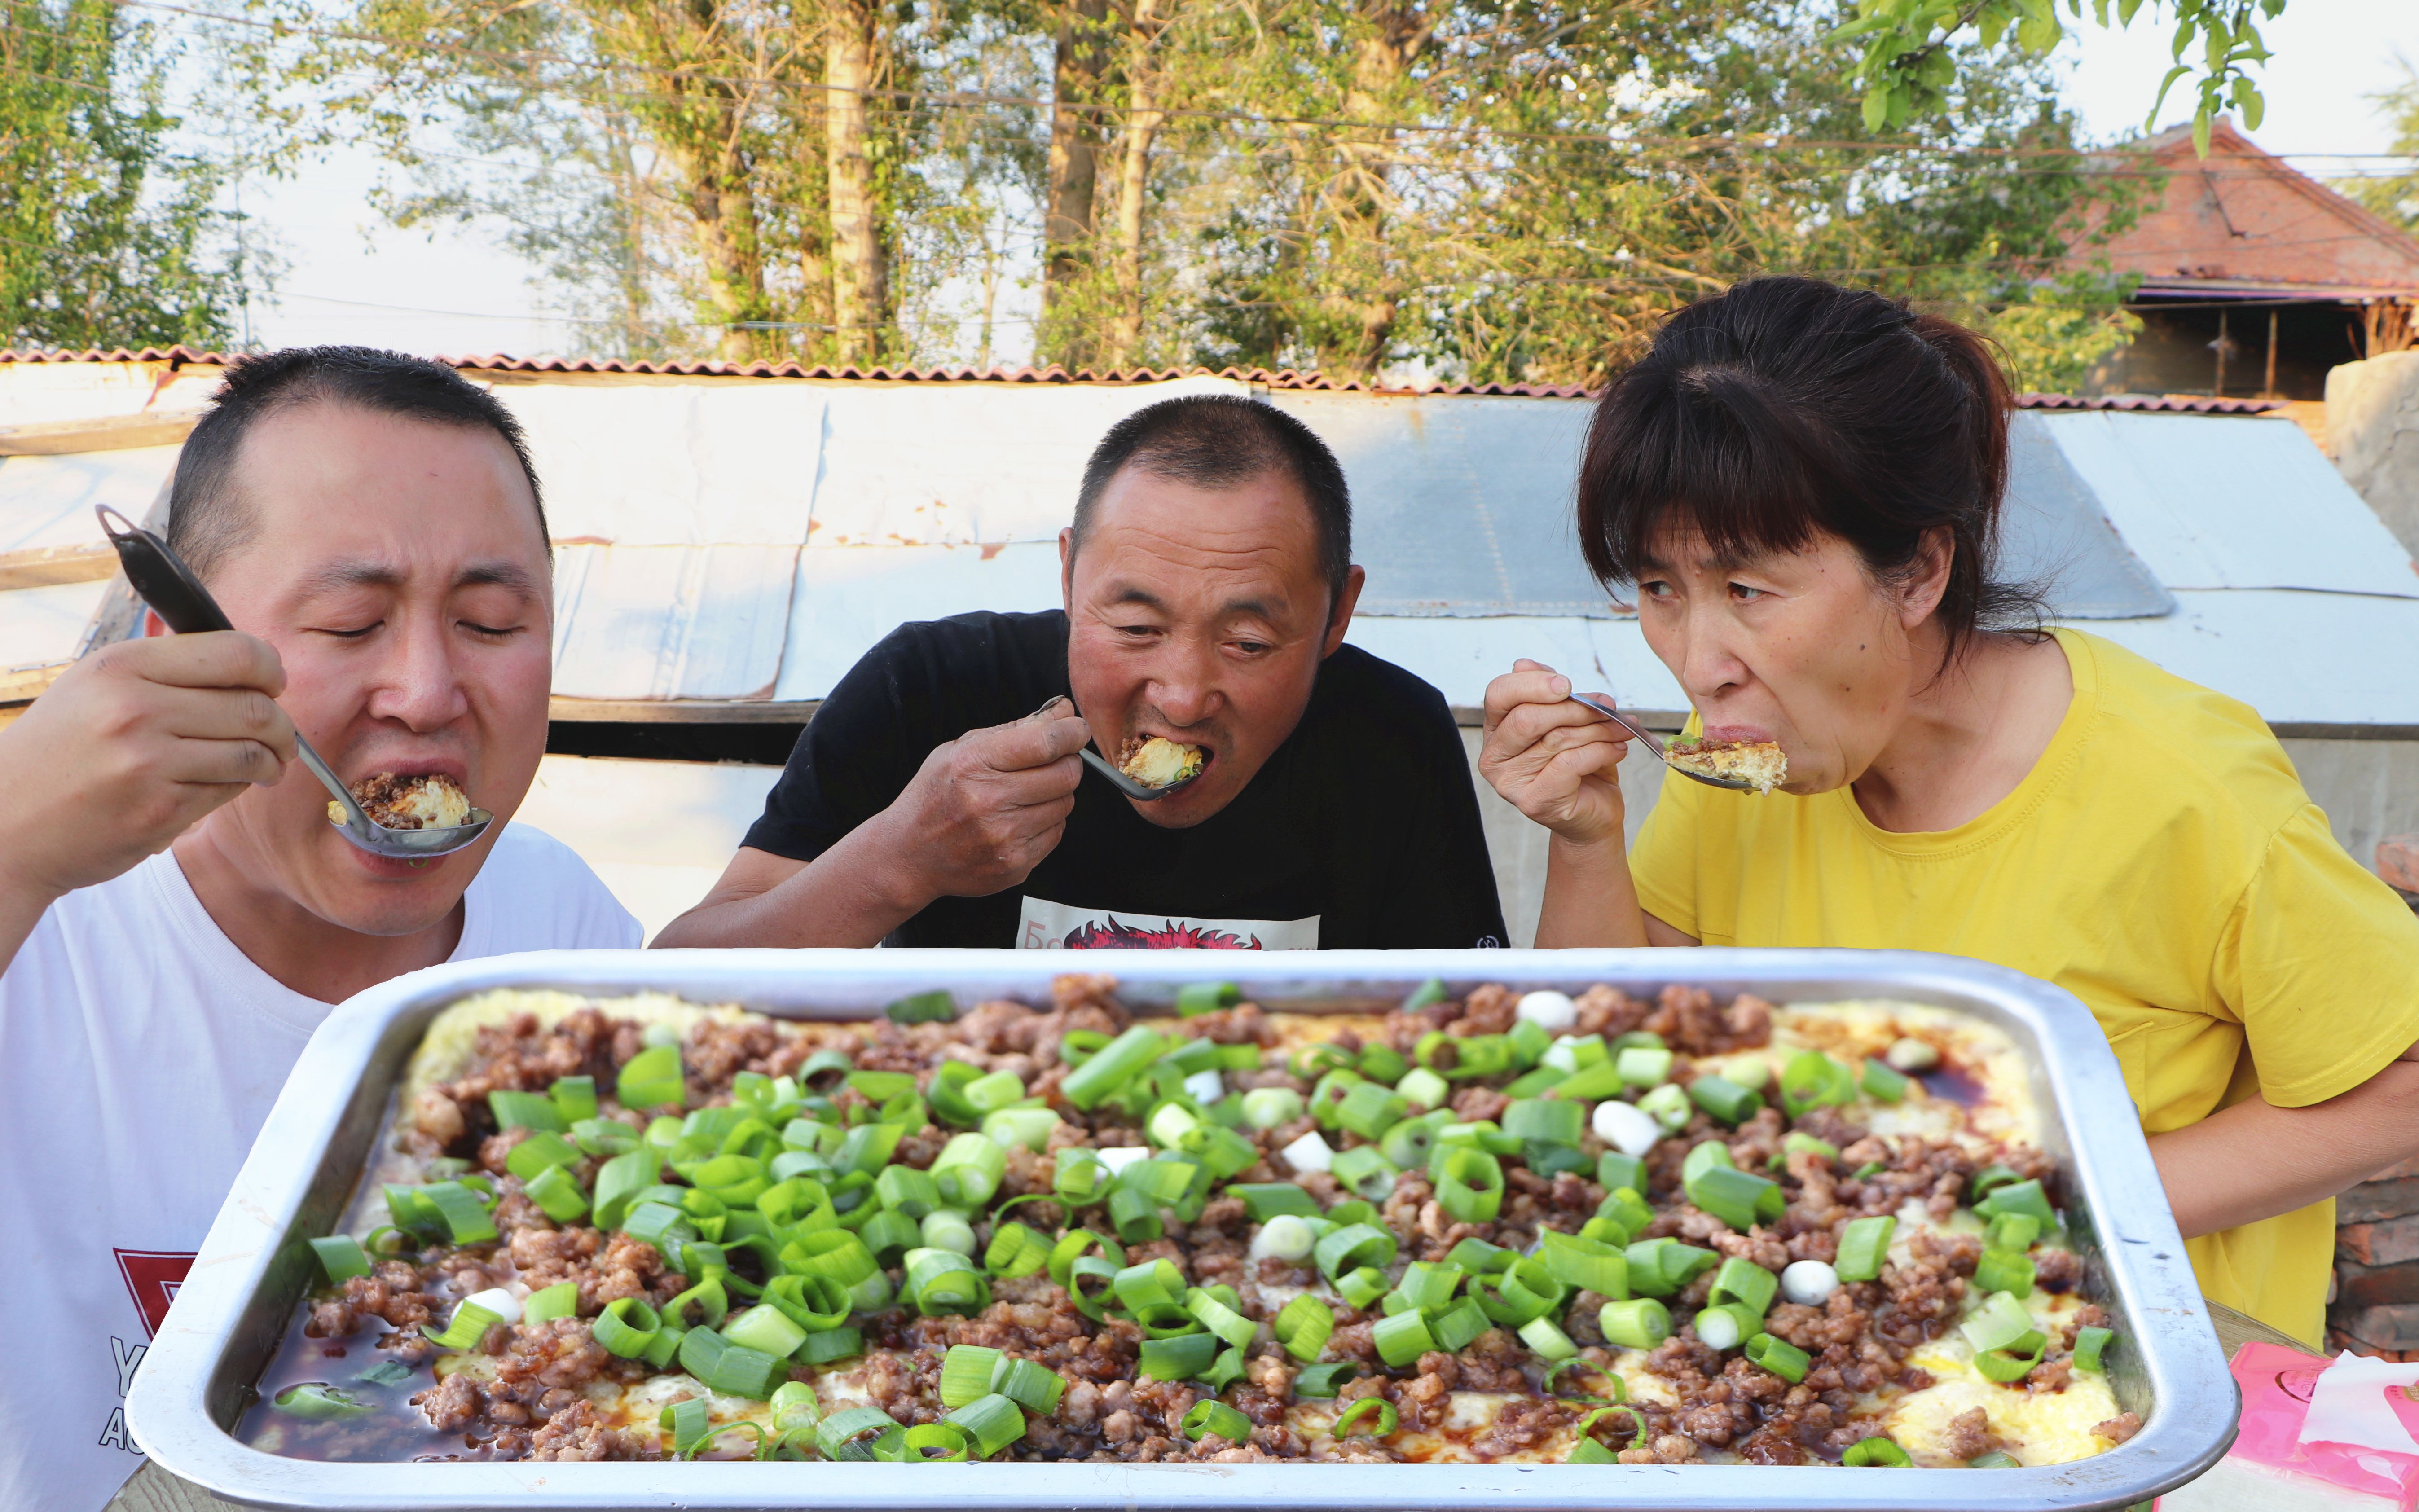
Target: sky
x,y
353,278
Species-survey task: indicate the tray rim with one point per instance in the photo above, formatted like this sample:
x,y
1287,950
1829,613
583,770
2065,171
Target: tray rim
x,y
2111,1170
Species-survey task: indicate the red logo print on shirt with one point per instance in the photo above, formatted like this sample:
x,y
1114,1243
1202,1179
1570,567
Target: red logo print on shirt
x,y
152,1277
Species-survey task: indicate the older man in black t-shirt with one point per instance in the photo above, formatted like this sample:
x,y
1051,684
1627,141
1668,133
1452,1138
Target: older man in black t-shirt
x,y
937,798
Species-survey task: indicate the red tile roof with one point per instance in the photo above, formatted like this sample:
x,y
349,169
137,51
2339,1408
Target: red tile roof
x,y
1286,379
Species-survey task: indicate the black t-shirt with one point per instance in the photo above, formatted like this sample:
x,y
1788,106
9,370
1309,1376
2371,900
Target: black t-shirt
x,y
1365,820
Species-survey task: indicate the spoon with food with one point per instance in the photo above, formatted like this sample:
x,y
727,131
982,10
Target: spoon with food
x,y
417,816
1742,766
1149,769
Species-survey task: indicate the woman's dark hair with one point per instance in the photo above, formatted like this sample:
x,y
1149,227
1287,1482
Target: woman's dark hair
x,y
1787,406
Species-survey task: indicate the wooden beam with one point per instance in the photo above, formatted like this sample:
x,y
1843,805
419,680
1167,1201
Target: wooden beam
x,y
100,433
682,711
50,566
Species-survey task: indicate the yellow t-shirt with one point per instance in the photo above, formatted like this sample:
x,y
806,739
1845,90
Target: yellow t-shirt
x,y
2161,862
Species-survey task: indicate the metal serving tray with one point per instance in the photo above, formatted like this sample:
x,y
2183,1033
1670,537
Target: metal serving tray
x,y
239,1297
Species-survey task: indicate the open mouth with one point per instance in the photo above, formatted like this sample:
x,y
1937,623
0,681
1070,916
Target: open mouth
x,y
408,800
1156,760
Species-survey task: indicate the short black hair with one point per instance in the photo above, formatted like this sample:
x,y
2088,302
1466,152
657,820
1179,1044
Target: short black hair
x,y
1789,406
1212,440
208,516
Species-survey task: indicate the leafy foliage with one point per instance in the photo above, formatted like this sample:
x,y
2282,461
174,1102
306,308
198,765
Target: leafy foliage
x,y
107,237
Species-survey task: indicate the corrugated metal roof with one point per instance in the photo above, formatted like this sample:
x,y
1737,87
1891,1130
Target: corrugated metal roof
x,y
1282,379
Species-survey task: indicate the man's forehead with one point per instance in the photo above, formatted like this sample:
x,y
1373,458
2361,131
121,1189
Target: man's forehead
x,y
1149,526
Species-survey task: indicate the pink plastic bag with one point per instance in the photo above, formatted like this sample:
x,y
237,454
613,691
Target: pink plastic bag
x,y
2276,1385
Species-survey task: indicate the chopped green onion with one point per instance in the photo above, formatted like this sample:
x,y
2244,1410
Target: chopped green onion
x,y
1641,1066
1468,1185
1878,1451
1219,1318
1424,1089
623,1179
947,1229
1812,1080
1361,1288
2089,1343
1029,1385
1181,1358
1206,997
465,1214
1867,1171
557,1194
1594,1085
937,1007
2025,1197
1029,1127
664,1347
1883,1083
1327,1098
815,1303
1219,1150
1549,1342
626,1327
930,1444
1312,1061
1584,1264
1737,1198
1135,1215
1667,1105
1424,1287
2012,1364
944,1281
317,1401
1072,1246
1742,1281
1354,1245
340,1256
1458,1326
1657,1265
1303,1326
1377,1407
993,1422
968,1170
1370,1108
1319,1381
1641,1323
653,1079
1989,1178
1627,1207
1727,1325
841,1435
1779,1356
1807,1143
1015,1251
1724,1099
525,1110
1209,1416
603,1137
765,1328
1402,1338
2013,1231
2005,1271
1268,1108
574,1099
469,1325
830,1345
1547,1121
965,1373
1426,992
1153,1283
2000,1322
561,1300
1383,1063
386,1373
1864,1243
708,1296
1589,1451
689,1426
1996,1459
1092,1084
1367,1171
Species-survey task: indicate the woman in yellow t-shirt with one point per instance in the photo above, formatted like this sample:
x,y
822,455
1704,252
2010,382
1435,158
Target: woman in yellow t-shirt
x,y
1804,483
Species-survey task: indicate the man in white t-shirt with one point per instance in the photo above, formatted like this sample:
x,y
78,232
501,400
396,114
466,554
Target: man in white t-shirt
x,y
176,914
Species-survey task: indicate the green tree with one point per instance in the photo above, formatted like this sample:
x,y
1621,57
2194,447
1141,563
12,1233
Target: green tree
x,y
2394,196
108,235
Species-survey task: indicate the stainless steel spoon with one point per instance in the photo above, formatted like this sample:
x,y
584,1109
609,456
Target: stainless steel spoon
x,y
1139,791
1655,746
164,582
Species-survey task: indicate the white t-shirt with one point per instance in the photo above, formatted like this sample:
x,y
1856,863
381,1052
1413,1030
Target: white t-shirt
x,y
140,1051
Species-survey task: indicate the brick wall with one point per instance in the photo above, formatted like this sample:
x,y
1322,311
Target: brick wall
x,y
2375,1308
